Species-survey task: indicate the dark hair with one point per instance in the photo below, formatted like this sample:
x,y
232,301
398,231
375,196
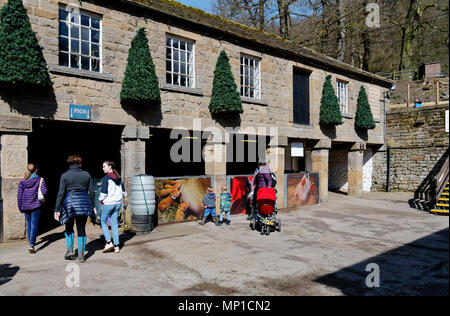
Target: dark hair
x,y
113,167
31,168
74,160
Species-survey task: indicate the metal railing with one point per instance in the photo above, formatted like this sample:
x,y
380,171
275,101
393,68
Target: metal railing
x,y
409,74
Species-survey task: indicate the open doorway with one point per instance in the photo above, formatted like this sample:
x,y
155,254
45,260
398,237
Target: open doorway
x,y
51,142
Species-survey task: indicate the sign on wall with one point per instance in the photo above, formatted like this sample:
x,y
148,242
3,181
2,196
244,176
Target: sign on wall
x,y
79,112
297,150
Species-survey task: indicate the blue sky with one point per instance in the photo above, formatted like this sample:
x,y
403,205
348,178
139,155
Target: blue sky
x,y
200,4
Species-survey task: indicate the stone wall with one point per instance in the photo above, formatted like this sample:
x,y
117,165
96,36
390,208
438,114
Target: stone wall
x,y
180,106
419,144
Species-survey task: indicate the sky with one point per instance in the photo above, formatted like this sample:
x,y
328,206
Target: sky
x,y
199,4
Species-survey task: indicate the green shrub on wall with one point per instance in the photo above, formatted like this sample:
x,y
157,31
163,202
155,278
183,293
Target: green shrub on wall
x,y
22,62
225,97
330,112
140,84
363,118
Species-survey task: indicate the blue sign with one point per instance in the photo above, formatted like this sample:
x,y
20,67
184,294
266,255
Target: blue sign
x,y
80,112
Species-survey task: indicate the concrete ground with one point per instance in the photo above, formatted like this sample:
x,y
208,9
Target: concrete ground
x,y
321,250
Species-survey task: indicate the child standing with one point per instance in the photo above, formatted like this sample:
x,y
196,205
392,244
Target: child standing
x,y
209,202
225,205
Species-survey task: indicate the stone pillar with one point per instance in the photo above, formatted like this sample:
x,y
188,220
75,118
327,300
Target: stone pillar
x,y
319,163
355,170
14,160
215,154
276,161
133,156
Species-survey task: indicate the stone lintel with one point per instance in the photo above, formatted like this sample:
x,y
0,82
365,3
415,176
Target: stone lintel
x,y
15,124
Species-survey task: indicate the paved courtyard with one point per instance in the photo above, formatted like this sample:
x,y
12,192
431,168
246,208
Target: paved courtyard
x,y
341,247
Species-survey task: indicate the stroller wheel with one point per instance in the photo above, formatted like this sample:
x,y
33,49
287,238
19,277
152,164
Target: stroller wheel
x,y
253,224
279,225
263,230
267,230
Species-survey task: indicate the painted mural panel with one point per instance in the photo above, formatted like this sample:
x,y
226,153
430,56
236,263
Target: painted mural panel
x,y
180,200
240,189
302,189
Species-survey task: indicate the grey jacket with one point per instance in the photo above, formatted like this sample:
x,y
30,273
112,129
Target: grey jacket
x,y
209,200
74,179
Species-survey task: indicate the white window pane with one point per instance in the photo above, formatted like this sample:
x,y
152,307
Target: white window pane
x,y
63,14
169,42
183,69
176,67
183,57
175,55
182,45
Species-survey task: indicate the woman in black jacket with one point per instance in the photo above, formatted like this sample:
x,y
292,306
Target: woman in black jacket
x,y
75,203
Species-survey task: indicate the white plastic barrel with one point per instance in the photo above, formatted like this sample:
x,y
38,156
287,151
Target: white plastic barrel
x,y
143,198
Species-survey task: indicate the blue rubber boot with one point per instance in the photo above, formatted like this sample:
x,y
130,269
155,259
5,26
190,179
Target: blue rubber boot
x,y
69,243
81,248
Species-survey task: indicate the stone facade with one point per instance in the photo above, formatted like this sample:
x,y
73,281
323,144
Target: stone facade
x,y
418,143
180,106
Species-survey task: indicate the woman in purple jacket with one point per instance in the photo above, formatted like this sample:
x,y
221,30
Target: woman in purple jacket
x,y
28,202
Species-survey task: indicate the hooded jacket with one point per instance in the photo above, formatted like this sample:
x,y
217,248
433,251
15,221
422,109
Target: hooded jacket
x,y
112,189
27,193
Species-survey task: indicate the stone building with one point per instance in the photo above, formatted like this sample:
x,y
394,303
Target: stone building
x,y
86,47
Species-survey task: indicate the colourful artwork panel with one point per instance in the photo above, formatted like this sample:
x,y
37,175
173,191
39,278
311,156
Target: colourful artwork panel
x,y
302,189
180,200
240,190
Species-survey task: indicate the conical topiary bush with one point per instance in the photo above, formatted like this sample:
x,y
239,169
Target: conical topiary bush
x,y
330,112
22,63
225,97
140,84
363,117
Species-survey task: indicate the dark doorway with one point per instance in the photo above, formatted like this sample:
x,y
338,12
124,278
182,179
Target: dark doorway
x,y
158,161
51,142
243,153
301,97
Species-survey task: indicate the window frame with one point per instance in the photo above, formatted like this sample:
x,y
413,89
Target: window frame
x,y
69,24
190,75
256,77
342,86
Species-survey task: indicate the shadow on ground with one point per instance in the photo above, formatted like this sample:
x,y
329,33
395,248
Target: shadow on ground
x,y
418,268
7,273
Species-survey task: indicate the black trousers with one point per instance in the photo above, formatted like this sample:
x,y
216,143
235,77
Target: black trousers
x,y
81,225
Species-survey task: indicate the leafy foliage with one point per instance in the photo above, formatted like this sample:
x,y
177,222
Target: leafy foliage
x,y
225,96
363,118
22,62
330,112
140,84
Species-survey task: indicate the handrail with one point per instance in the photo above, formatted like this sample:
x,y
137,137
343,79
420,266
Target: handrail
x,y
441,179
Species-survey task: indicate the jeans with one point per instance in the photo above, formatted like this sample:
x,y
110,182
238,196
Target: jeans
x,y
112,211
32,218
227,213
209,210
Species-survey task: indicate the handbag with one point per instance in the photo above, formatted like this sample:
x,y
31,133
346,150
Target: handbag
x,y
40,195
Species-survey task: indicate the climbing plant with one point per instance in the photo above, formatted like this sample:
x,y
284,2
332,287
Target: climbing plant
x,y
140,84
363,117
225,97
22,63
330,112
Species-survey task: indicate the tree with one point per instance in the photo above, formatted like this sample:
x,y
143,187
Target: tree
x,y
225,96
330,112
363,117
22,63
140,84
